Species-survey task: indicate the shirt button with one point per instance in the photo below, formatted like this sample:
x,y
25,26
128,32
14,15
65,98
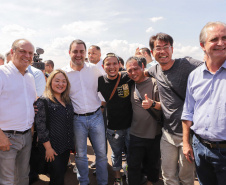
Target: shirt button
x,y
206,128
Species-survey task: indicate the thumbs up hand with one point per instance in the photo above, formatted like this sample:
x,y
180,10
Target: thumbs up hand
x,y
146,104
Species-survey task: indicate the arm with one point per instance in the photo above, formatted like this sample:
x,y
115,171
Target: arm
x,y
187,149
50,152
146,73
4,142
42,130
146,104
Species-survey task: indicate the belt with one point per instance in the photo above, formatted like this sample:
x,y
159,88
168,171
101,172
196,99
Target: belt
x,y
211,144
14,132
88,114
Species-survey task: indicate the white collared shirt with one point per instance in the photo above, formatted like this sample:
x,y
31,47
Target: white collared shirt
x,y
17,95
83,92
100,67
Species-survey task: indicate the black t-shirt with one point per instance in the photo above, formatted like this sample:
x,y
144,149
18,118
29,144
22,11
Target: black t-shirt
x,y
119,108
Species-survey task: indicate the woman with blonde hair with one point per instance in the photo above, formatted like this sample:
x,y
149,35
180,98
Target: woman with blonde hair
x,y
54,123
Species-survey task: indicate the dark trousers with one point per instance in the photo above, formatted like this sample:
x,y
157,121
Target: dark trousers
x,y
58,168
140,148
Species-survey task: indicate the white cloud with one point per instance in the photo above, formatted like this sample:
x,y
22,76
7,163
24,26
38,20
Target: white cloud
x,y
85,27
122,48
155,19
192,51
150,30
58,49
18,31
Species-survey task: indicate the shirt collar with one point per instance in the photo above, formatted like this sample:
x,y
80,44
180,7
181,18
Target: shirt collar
x,y
69,69
11,64
204,67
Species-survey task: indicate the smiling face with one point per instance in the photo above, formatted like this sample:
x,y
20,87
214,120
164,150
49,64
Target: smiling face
x,y
215,43
111,67
77,54
164,56
22,55
135,72
94,55
59,84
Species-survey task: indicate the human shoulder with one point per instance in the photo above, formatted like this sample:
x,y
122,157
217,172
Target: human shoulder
x,y
153,70
190,61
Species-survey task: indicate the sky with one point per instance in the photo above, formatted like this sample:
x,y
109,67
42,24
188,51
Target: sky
x,y
118,26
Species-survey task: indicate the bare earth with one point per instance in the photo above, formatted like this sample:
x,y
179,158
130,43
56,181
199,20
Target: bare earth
x,y
71,178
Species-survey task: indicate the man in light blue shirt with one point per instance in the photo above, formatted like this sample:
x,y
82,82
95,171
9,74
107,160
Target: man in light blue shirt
x,y
39,77
205,108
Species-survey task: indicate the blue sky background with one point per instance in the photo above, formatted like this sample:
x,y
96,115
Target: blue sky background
x,y
116,26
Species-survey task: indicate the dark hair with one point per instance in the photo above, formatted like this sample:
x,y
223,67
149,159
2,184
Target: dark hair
x,y
77,41
111,55
50,62
140,60
95,46
160,36
121,60
146,50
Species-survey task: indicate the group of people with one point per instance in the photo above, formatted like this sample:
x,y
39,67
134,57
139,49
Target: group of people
x,y
172,113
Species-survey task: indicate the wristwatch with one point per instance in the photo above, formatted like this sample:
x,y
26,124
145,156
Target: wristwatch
x,y
153,104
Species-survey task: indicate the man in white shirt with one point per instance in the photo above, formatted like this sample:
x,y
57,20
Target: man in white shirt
x,y
94,54
17,95
88,117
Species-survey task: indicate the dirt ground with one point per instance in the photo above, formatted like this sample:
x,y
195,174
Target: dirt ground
x,y
71,178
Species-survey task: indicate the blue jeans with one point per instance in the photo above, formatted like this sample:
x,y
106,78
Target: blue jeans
x,y
94,126
210,164
117,140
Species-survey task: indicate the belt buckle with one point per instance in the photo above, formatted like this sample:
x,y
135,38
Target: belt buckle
x,y
210,144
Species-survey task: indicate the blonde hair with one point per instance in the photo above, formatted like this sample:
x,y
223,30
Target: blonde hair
x,y
48,93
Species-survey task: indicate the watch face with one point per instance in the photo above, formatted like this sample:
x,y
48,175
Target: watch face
x,y
153,104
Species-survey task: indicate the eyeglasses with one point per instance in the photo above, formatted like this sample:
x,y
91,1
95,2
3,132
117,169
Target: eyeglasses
x,y
162,48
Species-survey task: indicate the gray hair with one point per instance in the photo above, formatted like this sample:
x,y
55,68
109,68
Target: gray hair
x,y
203,33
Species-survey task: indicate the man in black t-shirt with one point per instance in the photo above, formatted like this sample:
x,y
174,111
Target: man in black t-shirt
x,y
119,109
